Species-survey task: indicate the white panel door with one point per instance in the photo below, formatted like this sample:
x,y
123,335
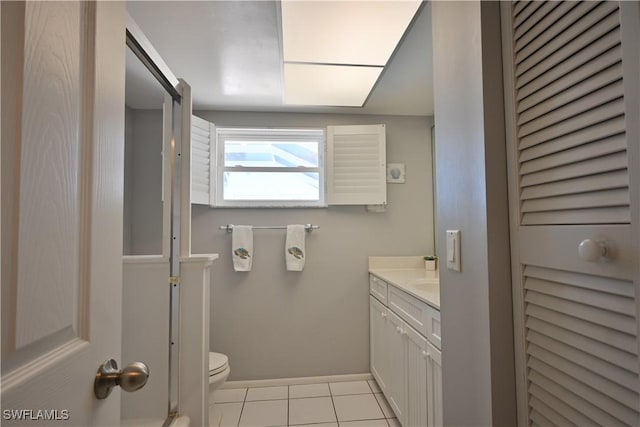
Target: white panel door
x,y
62,200
397,383
417,380
571,95
379,345
434,386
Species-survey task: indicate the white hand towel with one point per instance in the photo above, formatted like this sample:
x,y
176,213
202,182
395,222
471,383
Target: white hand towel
x,y
294,252
242,247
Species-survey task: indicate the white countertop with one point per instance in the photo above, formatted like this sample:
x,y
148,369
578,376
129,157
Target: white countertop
x,y
408,274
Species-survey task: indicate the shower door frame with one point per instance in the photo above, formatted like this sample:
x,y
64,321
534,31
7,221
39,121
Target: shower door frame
x,y
177,106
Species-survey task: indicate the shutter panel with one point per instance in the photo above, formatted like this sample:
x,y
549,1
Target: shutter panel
x,y
576,322
356,165
202,152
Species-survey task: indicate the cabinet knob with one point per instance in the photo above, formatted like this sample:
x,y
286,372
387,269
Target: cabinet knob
x,y
383,315
592,250
398,329
425,354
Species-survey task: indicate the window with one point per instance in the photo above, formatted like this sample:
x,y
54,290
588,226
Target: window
x,y
253,167
269,167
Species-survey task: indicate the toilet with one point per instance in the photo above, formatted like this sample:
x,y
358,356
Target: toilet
x,y
218,371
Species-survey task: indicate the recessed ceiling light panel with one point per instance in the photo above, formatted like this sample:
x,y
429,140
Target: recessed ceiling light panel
x,y
329,85
344,32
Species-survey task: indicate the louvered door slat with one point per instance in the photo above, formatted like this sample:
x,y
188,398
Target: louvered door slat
x,y
596,132
609,411
614,303
598,200
575,417
603,334
608,163
597,115
603,20
602,284
565,395
551,415
599,39
524,10
532,21
611,180
605,68
594,364
551,27
622,359
625,396
601,85
613,215
603,147
617,322
559,109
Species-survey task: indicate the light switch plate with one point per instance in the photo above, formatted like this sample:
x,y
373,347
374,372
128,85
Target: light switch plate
x,y
453,250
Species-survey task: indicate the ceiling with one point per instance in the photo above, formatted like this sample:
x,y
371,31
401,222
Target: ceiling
x,y
230,54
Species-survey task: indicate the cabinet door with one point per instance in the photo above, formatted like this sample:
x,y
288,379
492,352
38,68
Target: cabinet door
x,y
396,338
379,346
434,386
417,393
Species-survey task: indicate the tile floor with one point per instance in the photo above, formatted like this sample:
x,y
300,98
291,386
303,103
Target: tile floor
x,y
340,404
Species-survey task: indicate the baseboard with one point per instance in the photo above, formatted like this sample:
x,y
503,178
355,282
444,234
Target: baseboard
x,y
297,381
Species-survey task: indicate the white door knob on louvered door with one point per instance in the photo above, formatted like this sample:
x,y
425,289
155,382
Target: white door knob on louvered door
x,y
592,250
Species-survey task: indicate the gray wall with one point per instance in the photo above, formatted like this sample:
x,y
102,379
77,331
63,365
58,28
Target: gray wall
x,y
277,324
143,182
477,344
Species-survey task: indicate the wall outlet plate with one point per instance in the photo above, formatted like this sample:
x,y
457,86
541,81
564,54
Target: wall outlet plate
x,y
395,173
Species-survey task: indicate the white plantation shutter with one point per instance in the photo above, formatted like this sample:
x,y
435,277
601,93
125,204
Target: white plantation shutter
x,y
356,165
202,156
576,321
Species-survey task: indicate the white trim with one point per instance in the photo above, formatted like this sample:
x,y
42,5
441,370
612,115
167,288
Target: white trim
x,y
630,33
184,149
519,328
297,381
223,134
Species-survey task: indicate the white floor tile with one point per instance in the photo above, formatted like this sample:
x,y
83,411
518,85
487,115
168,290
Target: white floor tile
x,y
265,413
386,409
229,395
365,423
311,410
357,407
268,393
224,414
308,390
374,386
349,387
316,425
393,422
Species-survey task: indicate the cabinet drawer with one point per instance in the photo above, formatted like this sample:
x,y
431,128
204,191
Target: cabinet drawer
x,y
378,288
424,318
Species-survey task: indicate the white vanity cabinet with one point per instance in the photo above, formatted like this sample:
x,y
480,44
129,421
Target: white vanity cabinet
x,y
378,315
405,359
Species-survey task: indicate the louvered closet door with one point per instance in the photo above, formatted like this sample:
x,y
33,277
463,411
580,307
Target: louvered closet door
x,y
568,75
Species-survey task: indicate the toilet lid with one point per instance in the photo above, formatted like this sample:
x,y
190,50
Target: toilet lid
x,y
217,362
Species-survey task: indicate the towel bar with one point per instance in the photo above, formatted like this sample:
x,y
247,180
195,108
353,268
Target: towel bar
x,y
308,227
